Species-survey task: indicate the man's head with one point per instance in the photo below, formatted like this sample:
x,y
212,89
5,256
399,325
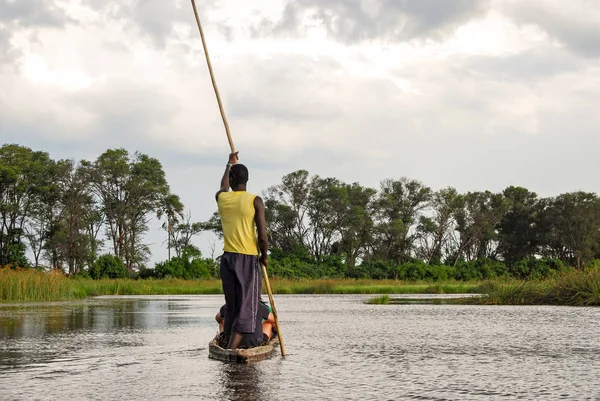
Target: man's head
x,y
238,175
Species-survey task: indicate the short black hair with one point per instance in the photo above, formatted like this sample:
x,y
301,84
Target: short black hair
x,y
238,174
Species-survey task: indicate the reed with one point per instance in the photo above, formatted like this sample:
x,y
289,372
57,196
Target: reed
x,y
381,300
572,287
33,285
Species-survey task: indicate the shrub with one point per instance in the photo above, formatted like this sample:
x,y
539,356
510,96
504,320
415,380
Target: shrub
x,y
188,266
108,266
533,268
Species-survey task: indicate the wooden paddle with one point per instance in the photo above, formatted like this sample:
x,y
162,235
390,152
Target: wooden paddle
x,y
222,110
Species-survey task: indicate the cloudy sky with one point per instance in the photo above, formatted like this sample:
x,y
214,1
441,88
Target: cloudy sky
x,y
465,93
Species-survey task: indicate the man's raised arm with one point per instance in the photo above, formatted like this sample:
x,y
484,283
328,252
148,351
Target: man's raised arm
x,y
233,157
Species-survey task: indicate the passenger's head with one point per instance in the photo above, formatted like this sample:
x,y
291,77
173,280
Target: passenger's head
x,y
238,174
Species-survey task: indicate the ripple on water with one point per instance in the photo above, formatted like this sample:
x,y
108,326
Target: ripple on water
x,y
338,348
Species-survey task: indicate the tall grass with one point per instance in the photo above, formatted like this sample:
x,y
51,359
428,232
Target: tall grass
x,y
33,285
354,286
381,300
573,287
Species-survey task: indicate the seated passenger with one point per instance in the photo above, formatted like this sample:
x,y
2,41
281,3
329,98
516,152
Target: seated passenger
x,y
264,327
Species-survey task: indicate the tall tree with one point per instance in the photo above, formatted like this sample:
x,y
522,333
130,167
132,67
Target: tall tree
x,y
131,190
476,218
70,242
172,209
517,230
399,205
23,181
327,206
433,230
286,209
184,232
356,227
571,227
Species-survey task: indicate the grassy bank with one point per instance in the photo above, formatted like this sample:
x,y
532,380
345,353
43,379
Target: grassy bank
x,y
568,288
31,285
574,288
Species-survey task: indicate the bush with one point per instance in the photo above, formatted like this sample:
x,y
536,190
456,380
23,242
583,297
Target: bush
x,y
480,269
108,266
533,268
375,269
188,266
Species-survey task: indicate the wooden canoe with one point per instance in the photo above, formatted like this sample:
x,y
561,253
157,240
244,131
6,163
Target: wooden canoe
x,y
242,355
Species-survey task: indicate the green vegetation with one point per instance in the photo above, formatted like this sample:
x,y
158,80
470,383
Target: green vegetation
x,y
32,285
62,214
89,219
575,288
381,300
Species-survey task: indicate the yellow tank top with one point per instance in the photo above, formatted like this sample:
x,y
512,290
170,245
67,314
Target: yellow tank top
x,y
237,219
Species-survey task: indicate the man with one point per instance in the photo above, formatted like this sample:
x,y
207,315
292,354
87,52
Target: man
x,y
242,215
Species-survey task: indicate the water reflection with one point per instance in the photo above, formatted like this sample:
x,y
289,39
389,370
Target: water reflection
x,y
65,327
240,382
338,348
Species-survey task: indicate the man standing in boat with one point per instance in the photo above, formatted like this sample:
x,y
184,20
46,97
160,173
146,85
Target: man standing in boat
x,y
242,217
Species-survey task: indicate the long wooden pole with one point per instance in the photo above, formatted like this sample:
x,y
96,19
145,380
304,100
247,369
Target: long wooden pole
x,y
212,78
222,110
266,276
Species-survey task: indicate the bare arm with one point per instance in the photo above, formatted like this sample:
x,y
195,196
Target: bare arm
x,y
261,227
270,319
225,179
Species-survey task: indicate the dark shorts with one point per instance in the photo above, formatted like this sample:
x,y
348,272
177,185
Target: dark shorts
x,y
241,278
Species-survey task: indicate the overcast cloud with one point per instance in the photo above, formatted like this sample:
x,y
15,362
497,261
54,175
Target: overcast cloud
x,y
472,94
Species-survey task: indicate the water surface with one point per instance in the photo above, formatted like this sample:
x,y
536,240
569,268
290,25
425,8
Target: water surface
x,y
156,347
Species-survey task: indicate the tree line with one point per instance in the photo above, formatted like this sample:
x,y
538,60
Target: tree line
x,y
66,214
405,221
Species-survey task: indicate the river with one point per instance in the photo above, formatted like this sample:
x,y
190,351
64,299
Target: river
x,y
338,348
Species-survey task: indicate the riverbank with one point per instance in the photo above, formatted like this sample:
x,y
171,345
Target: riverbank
x,y
569,288
31,285
573,287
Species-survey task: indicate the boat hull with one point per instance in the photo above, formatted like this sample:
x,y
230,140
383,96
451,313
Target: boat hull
x,y
241,355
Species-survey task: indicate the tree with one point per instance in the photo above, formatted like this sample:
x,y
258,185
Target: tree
x,y
70,241
571,227
476,217
286,208
433,231
356,228
172,208
183,233
398,206
517,231
23,182
130,190
326,205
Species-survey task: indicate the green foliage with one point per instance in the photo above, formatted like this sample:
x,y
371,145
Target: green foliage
x,y
33,285
532,268
301,264
569,287
16,256
108,266
381,300
189,266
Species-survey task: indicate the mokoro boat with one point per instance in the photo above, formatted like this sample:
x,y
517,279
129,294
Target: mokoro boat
x,y
242,355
